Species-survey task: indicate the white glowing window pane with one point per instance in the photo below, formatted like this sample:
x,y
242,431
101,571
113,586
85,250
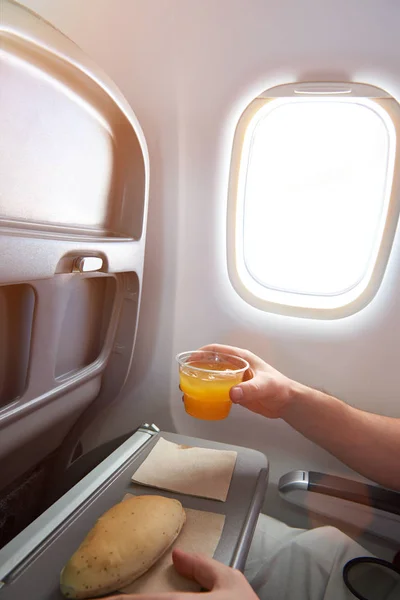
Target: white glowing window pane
x,y
314,195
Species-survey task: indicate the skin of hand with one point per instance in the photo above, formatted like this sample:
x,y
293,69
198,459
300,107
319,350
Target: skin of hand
x,y
222,582
264,389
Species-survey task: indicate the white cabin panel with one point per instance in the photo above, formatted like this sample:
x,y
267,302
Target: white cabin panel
x,y
189,69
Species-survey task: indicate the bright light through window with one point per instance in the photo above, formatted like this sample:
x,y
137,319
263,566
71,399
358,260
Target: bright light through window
x,y
312,199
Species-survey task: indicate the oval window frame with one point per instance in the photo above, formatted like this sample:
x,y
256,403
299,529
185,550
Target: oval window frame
x,y
235,255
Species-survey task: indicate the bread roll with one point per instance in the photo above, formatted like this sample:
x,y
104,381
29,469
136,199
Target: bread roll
x,y
124,543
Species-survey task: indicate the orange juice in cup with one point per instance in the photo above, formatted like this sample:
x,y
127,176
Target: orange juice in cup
x,y
205,380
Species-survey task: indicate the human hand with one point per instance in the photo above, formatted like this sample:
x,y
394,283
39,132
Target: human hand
x,y
222,582
264,389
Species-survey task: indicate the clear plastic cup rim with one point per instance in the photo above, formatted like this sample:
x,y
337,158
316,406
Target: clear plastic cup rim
x,y
182,355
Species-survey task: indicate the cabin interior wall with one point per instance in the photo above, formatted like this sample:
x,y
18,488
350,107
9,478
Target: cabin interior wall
x,y
188,69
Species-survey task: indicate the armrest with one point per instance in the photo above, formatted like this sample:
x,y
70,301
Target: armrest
x,y
339,487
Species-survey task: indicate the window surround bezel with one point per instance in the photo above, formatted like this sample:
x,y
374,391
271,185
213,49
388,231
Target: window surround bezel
x,y
392,111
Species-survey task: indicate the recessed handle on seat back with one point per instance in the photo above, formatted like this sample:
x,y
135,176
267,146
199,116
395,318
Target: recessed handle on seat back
x,y
339,487
88,264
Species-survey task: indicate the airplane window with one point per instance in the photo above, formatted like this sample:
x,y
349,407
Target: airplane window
x,y
313,187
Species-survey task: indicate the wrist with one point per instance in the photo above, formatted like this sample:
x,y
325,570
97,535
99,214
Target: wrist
x,y
306,401
296,396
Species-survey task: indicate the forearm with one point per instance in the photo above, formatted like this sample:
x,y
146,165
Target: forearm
x,y
368,443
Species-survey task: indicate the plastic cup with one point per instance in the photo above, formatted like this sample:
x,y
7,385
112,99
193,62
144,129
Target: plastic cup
x,y
205,380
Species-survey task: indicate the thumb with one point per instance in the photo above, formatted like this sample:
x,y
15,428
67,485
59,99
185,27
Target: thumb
x,y
247,391
208,572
